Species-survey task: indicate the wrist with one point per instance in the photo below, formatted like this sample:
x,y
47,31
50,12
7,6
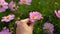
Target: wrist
x,y
27,33
23,32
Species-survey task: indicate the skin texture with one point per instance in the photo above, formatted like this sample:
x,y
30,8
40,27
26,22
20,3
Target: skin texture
x,y
24,28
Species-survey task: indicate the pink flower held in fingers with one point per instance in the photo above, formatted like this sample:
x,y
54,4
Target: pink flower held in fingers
x,y
34,16
57,13
28,2
8,18
3,5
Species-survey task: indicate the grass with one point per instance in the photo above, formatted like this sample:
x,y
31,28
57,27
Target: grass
x,y
46,7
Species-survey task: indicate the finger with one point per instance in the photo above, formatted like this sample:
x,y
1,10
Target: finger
x,y
32,24
22,22
25,20
18,23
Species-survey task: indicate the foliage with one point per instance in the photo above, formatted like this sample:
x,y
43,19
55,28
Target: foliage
x,y
46,7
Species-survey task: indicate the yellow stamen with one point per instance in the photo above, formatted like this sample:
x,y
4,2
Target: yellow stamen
x,y
34,17
7,17
24,0
47,29
13,7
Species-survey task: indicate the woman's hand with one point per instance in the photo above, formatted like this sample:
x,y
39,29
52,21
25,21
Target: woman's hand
x,y
24,27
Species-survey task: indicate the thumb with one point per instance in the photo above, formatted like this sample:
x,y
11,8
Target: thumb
x,y
25,20
32,24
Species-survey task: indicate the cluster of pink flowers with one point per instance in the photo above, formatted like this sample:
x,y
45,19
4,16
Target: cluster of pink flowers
x,y
12,5
48,27
34,16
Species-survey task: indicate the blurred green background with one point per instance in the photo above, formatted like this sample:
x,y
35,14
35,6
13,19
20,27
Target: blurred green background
x,y
46,7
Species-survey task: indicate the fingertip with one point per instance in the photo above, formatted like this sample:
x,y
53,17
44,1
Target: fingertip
x,y
25,20
32,24
17,22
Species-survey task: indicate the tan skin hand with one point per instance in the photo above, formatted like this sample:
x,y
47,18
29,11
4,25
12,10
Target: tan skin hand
x,y
24,28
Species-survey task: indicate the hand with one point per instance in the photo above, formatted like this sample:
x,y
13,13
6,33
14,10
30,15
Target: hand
x,y
24,27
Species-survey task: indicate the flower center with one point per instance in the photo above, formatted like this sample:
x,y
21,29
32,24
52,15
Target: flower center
x,y
13,7
34,17
7,17
47,29
1,6
24,0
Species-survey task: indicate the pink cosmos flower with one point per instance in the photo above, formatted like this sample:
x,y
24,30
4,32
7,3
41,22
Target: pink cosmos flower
x,y
8,18
28,2
12,6
49,28
5,31
3,5
57,13
2,0
34,16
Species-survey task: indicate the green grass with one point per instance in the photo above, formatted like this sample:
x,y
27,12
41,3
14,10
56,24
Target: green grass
x,y
46,7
